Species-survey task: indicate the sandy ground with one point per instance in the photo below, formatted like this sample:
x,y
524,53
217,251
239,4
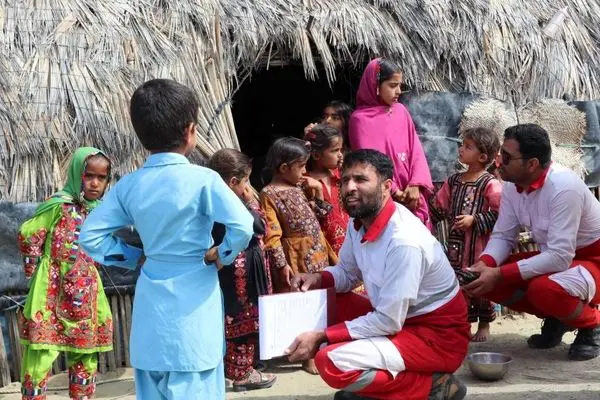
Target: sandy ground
x,y
534,374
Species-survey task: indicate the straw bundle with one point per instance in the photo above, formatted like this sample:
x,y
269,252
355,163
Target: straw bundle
x,y
565,125
70,66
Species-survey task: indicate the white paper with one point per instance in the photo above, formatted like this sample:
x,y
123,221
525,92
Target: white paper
x,y
282,317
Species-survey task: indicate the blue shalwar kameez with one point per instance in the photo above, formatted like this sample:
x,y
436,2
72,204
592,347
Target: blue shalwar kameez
x,y
177,338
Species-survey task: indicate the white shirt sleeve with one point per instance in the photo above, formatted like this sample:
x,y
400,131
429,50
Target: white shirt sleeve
x,y
346,273
506,230
566,209
399,288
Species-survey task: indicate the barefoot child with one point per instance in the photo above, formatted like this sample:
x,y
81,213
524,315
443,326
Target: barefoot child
x,y
177,338
66,308
469,201
243,281
294,241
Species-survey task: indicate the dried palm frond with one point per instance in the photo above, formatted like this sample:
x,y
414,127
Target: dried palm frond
x,y
69,66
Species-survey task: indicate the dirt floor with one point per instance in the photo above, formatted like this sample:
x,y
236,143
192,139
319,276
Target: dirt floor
x,y
534,375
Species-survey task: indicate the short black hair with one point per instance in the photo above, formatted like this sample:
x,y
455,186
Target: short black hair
x,y
533,140
161,110
382,163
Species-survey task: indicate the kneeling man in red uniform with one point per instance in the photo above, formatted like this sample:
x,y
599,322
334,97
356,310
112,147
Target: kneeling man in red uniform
x,y
411,333
561,282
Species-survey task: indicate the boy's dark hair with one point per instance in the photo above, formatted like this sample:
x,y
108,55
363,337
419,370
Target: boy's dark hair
x,y
345,111
320,137
533,140
230,163
161,110
382,163
387,68
486,142
285,150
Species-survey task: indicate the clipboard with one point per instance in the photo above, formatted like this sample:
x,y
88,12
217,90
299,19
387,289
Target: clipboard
x,y
282,317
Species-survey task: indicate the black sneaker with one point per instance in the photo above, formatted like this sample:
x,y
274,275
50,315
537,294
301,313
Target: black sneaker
x,y
586,345
343,395
446,387
552,332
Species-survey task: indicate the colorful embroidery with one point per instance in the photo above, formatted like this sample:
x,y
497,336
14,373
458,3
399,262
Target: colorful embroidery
x,y
32,391
32,249
299,223
69,317
82,383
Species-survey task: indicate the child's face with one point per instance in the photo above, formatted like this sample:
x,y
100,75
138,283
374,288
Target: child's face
x,y
293,172
239,185
469,154
389,91
332,118
95,178
331,157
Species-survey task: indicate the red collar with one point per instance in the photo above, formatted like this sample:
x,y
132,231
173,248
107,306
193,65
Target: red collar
x,y
376,229
535,185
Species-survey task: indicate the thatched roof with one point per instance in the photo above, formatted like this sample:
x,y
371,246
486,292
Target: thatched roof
x,y
69,66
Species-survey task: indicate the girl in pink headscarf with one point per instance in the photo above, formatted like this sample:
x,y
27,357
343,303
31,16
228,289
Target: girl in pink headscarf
x,y
381,123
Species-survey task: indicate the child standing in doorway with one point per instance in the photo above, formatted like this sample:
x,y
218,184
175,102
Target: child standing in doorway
x,y
177,333
294,241
243,281
469,202
66,308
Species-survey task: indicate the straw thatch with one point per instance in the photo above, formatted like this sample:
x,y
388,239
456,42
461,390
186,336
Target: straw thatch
x,y
565,124
69,66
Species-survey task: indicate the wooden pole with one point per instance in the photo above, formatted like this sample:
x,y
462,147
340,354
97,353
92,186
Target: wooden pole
x,y
4,367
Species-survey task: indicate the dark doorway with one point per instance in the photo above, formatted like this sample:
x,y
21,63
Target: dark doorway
x,y
281,101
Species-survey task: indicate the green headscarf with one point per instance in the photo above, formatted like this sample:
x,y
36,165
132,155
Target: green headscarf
x,y
73,190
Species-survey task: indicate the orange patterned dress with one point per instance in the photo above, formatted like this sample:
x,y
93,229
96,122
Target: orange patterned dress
x,y
294,236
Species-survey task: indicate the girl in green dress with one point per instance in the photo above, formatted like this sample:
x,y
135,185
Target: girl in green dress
x,y
66,308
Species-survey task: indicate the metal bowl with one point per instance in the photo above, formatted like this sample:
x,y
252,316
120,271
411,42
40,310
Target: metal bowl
x,y
489,366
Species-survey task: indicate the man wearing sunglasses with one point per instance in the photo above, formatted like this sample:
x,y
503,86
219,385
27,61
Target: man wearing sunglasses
x,y
561,282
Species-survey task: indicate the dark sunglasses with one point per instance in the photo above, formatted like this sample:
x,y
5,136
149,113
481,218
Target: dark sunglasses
x,y
507,157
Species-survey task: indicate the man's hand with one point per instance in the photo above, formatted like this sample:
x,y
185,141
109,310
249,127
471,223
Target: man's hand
x,y
487,281
463,223
304,282
305,346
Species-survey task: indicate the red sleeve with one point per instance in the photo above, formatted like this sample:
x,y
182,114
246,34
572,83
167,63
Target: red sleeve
x,y
338,333
327,280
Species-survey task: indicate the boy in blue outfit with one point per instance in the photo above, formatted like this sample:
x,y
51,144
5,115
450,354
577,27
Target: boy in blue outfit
x,y
177,343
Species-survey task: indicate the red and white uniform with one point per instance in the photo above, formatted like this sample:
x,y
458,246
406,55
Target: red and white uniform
x,y
413,323
562,280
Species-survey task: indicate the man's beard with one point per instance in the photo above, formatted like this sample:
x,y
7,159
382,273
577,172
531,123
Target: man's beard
x,y
369,205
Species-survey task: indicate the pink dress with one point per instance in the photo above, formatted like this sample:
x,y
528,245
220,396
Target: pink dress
x,y
390,130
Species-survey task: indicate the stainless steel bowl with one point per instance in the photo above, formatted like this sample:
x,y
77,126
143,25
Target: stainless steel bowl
x,y
489,366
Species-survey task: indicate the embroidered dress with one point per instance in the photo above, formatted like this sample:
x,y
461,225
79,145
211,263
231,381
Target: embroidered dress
x,y
294,236
66,308
481,199
242,282
334,223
